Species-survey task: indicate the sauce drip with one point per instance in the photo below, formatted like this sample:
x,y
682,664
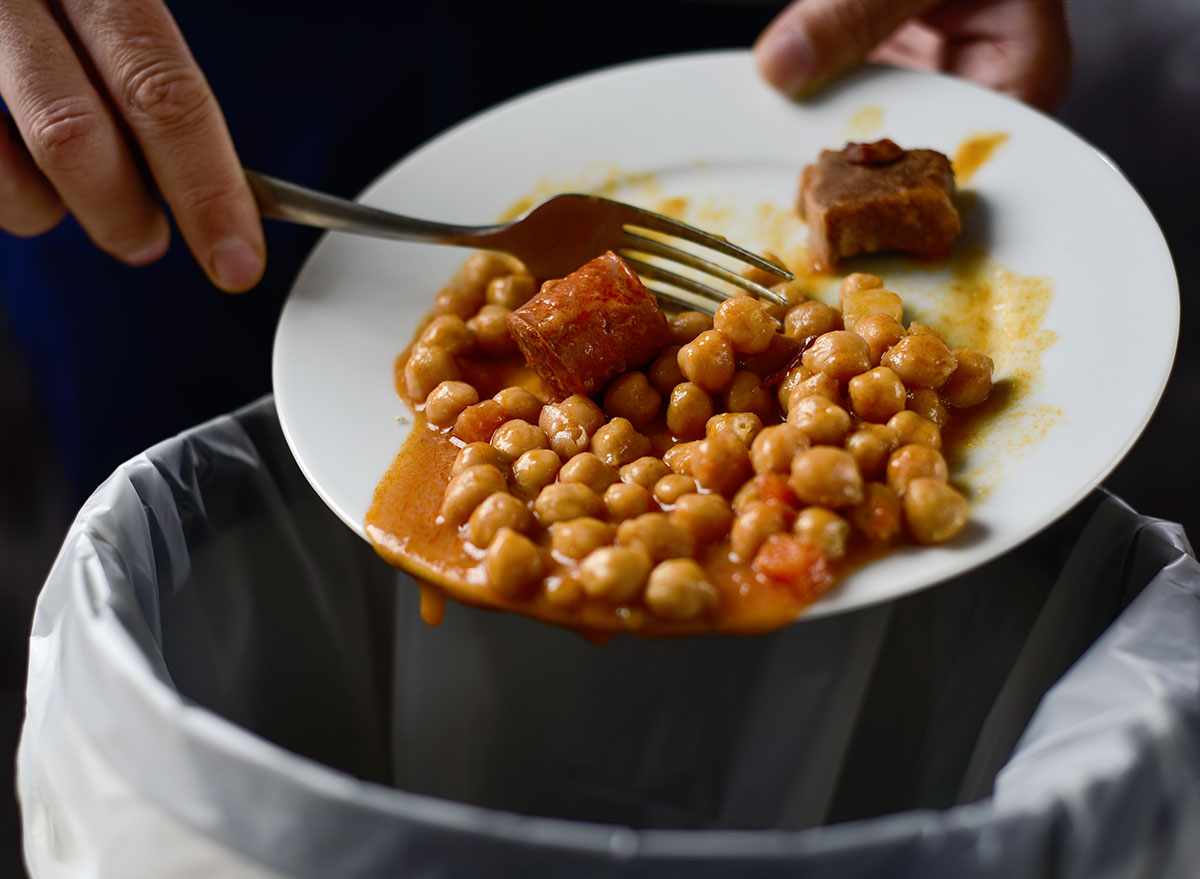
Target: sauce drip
x,y
433,604
973,153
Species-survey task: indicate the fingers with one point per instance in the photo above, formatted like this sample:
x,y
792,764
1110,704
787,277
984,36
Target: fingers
x,y
28,203
72,139
813,40
159,90
1021,47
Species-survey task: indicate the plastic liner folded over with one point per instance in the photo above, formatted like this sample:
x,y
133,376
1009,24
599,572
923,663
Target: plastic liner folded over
x,y
225,681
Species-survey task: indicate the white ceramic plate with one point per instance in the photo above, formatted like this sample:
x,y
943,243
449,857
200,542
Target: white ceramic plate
x,y
706,129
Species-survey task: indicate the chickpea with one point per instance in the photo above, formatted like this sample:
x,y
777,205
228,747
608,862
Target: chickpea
x,y
795,376
498,510
880,332
878,515
468,490
795,291
928,404
775,446
780,353
877,394
776,313
632,397
753,526
823,529
860,281
478,453
871,446
664,372
910,427
921,360
687,325
519,403
679,590
826,477
560,501
818,384
533,471
490,325
426,368
570,424
672,487
707,517
840,354
679,458
514,563
916,328
576,538
821,420
510,291
457,300
761,276
746,324
480,267
971,381
708,361
447,401
645,471
477,423
688,410
857,304
624,500
934,511
618,442
744,425
656,536
614,573
810,319
589,470
749,493
721,463
563,592
746,393
514,438
449,331
914,462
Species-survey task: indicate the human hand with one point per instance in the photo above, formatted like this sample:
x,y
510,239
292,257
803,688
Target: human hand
x,y
1021,47
108,106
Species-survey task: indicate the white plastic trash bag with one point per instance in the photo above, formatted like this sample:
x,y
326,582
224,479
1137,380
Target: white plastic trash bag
x,y
225,681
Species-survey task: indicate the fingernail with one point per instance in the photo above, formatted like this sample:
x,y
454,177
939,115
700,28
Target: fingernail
x,y
148,254
786,59
236,264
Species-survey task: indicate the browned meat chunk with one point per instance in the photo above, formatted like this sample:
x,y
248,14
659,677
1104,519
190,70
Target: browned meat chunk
x,y
580,332
871,197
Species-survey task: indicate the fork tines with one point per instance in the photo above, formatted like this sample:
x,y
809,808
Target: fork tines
x,y
636,217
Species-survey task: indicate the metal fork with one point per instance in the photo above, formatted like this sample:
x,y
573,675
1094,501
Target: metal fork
x,y
552,240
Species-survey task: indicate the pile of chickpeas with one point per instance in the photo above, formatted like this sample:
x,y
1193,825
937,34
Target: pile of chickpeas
x,y
612,498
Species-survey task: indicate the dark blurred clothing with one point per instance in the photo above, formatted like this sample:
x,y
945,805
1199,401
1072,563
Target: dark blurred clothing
x,y
325,95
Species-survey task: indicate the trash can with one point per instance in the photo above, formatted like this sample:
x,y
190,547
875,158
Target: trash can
x,y
225,681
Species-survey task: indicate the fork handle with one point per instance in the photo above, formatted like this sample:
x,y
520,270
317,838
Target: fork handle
x,y
281,200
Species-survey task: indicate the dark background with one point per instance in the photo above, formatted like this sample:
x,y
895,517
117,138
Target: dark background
x,y
89,377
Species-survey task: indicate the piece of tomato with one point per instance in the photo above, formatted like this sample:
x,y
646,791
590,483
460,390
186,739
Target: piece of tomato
x,y
794,564
774,489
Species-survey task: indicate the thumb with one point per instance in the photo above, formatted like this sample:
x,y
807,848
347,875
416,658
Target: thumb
x,y
813,40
